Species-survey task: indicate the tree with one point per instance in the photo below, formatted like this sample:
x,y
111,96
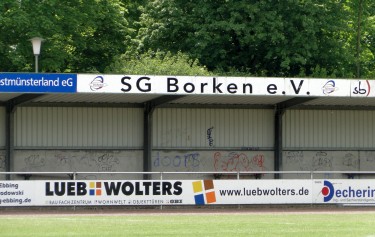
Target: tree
x,y
361,44
274,38
80,36
157,63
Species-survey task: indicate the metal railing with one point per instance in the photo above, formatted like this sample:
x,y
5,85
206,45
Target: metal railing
x,y
211,174
215,174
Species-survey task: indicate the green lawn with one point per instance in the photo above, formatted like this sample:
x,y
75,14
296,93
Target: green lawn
x,y
243,224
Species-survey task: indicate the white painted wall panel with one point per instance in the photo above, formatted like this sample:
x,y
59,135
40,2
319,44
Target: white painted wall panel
x,y
77,127
231,128
331,129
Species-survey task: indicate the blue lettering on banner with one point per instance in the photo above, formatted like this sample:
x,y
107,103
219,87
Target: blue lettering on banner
x,y
347,194
38,83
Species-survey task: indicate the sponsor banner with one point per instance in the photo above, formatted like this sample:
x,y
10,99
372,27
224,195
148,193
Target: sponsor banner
x,y
195,85
38,83
154,192
183,85
344,191
185,192
81,193
255,192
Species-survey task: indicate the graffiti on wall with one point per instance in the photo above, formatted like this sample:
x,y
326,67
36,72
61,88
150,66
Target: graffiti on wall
x,y
292,157
237,161
35,161
77,161
93,161
187,161
351,161
101,162
321,160
210,136
64,160
367,161
190,161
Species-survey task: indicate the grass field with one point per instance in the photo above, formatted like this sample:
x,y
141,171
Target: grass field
x,y
194,224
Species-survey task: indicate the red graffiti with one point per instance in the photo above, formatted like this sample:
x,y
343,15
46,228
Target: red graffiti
x,y
238,162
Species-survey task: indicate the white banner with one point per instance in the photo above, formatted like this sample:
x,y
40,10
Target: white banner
x,y
184,192
189,85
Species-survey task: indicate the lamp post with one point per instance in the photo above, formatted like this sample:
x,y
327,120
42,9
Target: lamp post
x,y
37,43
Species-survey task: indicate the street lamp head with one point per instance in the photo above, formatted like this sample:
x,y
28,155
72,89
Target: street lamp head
x,y
37,43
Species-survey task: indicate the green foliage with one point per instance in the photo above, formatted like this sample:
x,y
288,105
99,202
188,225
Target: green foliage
x,y
274,38
309,38
158,63
79,35
363,12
